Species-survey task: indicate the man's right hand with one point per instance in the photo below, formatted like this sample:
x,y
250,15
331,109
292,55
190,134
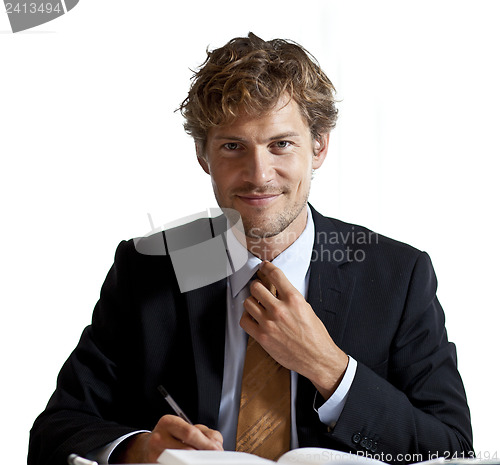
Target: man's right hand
x,y
171,432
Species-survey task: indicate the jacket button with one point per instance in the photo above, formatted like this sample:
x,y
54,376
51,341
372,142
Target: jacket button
x,y
356,438
364,442
374,447
369,445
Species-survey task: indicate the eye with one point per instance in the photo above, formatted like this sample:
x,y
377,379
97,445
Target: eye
x,y
231,146
282,144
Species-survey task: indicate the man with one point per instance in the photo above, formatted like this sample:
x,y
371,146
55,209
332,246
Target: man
x,y
354,318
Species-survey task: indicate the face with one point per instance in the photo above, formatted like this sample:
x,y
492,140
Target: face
x,y
262,168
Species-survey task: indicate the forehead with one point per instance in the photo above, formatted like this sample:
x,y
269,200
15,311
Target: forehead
x,y
284,117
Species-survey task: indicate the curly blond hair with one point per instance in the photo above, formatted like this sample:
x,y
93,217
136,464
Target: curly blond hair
x,y
249,75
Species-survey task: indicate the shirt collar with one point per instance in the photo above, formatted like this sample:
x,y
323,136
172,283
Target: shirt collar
x,y
293,261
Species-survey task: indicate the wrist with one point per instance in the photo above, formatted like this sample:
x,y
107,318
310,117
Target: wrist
x,y
330,375
131,450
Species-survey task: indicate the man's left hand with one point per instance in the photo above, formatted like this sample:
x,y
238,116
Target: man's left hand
x,y
288,329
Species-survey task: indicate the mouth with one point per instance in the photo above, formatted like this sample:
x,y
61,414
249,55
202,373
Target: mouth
x,y
258,200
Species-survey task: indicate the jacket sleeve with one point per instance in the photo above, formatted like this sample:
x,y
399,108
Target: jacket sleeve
x,y
419,410
78,416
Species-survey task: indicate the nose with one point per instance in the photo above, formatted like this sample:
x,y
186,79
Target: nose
x,y
258,166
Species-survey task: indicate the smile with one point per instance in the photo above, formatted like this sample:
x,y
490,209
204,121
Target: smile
x,y
258,200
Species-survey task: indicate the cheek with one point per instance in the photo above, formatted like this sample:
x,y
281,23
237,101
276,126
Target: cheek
x,y
297,174
221,180
304,181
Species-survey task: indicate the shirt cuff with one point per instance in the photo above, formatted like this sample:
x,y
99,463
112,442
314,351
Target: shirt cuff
x,y
102,454
330,411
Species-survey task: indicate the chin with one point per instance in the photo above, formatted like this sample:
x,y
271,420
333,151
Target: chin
x,y
261,229
271,225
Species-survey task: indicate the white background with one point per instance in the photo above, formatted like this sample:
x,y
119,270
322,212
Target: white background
x,y
90,143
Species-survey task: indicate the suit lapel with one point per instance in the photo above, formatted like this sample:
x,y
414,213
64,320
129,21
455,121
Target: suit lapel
x,y
330,287
330,293
207,319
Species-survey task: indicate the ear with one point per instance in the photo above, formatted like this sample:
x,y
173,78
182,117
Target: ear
x,y
202,160
320,149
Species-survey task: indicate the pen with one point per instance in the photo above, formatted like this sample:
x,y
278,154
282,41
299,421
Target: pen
x,y
74,459
173,404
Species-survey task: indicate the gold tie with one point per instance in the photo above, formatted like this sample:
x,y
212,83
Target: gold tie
x,y
264,418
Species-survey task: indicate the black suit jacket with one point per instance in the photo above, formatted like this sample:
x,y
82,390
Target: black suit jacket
x,y
376,297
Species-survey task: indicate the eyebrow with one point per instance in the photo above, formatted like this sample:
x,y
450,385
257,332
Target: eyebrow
x,y
285,135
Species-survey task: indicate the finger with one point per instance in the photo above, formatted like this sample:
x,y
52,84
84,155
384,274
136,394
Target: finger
x,y
254,308
277,277
262,294
212,434
172,427
250,326
267,283
159,441
195,438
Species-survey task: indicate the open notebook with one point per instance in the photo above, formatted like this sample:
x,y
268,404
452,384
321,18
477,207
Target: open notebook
x,y
302,456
